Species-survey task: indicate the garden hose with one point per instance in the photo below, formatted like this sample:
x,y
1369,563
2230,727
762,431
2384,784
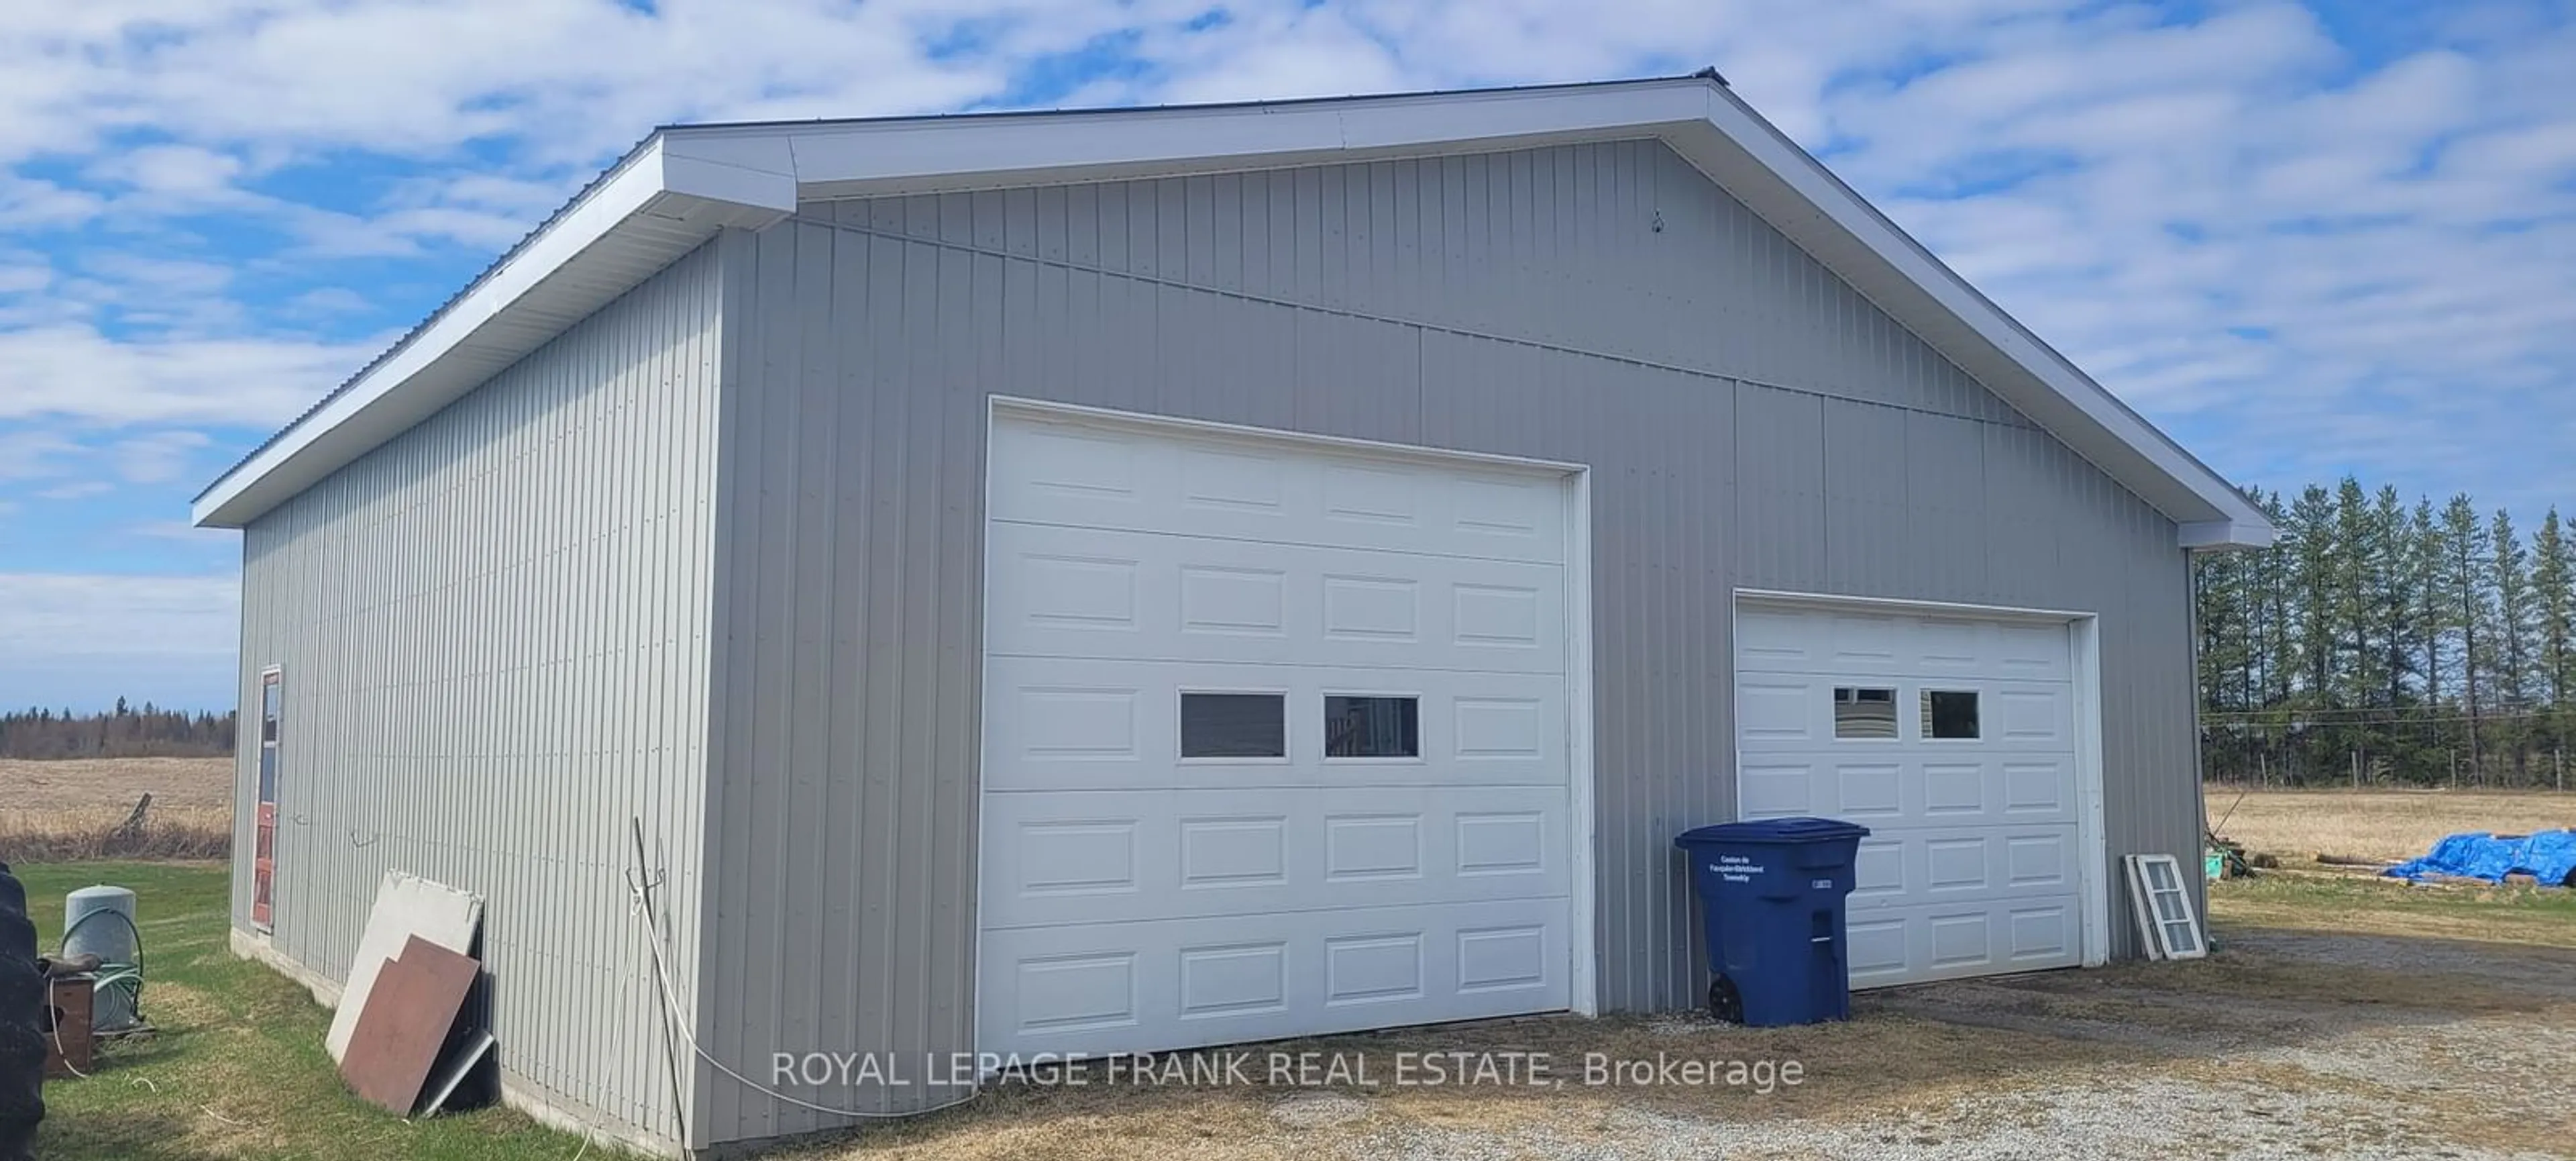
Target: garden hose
x,y
122,979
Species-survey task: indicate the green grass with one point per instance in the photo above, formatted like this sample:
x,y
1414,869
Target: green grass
x,y
2539,916
238,1068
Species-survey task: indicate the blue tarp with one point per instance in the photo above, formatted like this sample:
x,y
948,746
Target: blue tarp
x,y
2549,856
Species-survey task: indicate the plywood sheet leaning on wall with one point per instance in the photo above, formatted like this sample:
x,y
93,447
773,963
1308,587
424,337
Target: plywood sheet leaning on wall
x,y
406,906
409,1013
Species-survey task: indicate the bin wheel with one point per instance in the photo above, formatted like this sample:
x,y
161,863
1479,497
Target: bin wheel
x,y
1724,1002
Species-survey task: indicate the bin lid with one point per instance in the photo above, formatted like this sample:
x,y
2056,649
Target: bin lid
x,y
1773,830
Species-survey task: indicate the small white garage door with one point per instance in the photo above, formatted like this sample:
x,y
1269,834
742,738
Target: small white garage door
x,y
1953,740
1275,740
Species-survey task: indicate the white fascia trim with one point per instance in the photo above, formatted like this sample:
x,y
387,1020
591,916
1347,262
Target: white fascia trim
x,y
643,181
2222,535
1830,602
2241,523
870,158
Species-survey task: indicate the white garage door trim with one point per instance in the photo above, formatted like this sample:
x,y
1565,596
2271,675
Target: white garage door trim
x,y
2084,653
1582,952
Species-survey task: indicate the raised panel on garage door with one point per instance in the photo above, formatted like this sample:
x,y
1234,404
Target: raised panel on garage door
x,y
1106,476
1142,987
1378,832
1834,642
1972,864
1143,855
1083,592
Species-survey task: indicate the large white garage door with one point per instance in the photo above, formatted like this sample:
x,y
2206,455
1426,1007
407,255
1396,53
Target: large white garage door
x,y
1953,740
1275,741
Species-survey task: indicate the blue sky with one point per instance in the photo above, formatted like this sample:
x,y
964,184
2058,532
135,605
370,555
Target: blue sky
x,y
2305,238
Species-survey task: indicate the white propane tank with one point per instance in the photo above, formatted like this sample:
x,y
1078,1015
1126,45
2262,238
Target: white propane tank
x,y
100,920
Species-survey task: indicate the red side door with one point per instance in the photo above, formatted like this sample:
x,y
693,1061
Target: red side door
x,y
263,858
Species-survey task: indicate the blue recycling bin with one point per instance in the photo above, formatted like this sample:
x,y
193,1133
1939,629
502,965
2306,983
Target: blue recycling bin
x,y
1771,893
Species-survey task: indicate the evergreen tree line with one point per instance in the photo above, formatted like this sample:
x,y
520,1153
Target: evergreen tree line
x,y
2379,643
125,732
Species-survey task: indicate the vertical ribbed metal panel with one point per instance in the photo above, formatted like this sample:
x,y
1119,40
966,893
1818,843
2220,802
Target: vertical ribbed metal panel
x,y
494,630
1751,422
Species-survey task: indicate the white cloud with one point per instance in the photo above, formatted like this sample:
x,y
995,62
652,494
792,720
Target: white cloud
x,y
137,277
144,294
170,169
480,229
88,639
2227,218
32,455
29,203
413,78
526,198
74,371
69,464
25,277
326,300
157,458
181,531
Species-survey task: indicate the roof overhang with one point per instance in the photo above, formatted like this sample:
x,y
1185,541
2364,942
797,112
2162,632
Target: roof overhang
x,y
685,184
649,211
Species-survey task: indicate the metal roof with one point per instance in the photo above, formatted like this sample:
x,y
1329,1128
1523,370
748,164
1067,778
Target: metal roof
x,y
685,183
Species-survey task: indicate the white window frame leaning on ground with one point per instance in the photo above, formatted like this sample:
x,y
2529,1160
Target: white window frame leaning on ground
x,y
2147,894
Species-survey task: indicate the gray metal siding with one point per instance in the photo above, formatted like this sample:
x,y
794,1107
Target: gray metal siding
x,y
1751,422
494,631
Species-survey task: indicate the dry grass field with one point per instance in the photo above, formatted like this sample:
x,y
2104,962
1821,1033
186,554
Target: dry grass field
x,y
203,782
2299,825
61,811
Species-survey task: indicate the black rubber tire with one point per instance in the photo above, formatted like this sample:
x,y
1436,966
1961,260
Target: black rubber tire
x,y
22,985
1725,1004
13,894
22,1021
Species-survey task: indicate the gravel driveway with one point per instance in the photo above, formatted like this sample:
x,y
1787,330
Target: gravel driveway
x,y
2283,1044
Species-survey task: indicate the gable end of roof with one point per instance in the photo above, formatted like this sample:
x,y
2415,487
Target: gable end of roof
x,y
684,184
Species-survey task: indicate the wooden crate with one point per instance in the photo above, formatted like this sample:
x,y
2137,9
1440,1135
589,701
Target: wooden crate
x,y
70,1009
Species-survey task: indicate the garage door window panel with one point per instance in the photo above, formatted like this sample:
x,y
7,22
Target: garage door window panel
x,y
1864,714
1234,726
1951,715
1363,726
